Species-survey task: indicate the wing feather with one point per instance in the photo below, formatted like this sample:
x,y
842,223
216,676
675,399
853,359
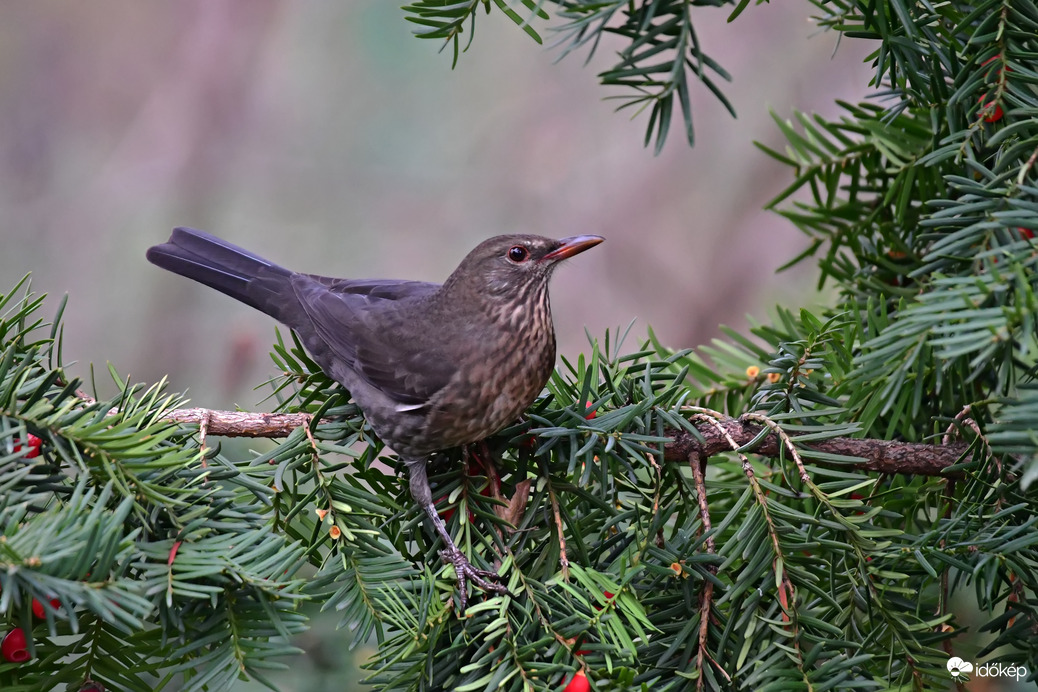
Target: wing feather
x,y
370,326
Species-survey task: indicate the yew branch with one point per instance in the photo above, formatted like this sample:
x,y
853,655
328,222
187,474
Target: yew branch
x,y
884,456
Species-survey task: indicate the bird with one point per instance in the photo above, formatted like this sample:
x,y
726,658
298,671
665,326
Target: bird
x,y
432,366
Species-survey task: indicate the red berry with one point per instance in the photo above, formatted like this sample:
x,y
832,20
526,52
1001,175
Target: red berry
x,y
992,59
1025,233
578,683
39,611
447,513
590,416
607,594
992,114
14,648
34,446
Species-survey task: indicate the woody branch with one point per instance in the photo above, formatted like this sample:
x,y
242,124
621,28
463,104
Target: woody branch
x,y
884,456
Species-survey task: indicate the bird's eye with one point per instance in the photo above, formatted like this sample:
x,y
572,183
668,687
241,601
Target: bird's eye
x,y
517,253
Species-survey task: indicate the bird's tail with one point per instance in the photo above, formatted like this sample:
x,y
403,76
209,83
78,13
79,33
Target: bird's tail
x,y
225,267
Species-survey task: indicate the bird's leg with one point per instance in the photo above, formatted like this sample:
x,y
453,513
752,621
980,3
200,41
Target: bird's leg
x,y
463,569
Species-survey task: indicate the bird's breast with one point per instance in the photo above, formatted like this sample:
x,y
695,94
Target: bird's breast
x,y
515,361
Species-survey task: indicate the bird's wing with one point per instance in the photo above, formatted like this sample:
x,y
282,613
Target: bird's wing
x,y
370,326
388,289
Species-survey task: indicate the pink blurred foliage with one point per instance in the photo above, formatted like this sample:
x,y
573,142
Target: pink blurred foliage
x,y
328,138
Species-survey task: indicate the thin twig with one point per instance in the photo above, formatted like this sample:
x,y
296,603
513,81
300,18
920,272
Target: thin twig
x,y
786,442
962,418
707,596
713,420
696,464
203,428
563,560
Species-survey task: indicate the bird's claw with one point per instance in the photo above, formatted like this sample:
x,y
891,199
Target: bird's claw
x,y
465,573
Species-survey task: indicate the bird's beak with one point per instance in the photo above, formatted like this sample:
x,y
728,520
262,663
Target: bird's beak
x,y
572,246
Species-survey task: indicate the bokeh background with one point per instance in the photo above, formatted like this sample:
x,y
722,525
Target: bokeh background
x,y
327,137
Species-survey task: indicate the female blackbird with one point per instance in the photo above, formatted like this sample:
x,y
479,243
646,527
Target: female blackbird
x,y
432,366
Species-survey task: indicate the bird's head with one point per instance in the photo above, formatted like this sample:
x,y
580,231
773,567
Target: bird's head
x,y
509,266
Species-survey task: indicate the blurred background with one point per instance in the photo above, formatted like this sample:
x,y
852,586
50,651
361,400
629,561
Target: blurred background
x,y
327,137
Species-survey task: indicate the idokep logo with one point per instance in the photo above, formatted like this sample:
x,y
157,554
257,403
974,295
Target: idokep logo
x,y
960,669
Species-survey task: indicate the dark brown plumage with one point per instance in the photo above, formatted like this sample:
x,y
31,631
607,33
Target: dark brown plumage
x,y
432,366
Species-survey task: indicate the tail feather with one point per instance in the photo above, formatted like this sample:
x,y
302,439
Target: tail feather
x,y
226,267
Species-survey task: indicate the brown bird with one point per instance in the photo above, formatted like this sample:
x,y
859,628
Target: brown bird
x,y
432,366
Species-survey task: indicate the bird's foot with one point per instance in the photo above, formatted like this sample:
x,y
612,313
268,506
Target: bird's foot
x,y
465,573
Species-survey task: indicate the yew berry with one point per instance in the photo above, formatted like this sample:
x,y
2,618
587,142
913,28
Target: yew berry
x,y
991,110
14,648
607,594
33,443
592,414
447,513
1025,233
992,59
39,611
578,683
